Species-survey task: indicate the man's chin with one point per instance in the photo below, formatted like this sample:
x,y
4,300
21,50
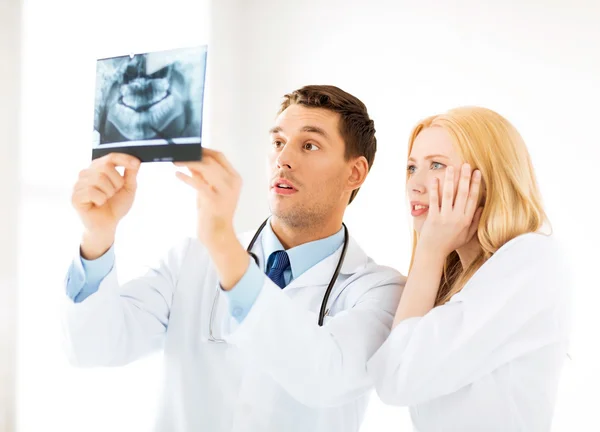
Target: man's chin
x,y
282,210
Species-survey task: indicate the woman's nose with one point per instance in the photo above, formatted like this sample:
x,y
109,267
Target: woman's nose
x,y
417,182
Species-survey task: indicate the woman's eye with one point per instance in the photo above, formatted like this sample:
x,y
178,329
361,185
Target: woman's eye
x,y
310,147
435,165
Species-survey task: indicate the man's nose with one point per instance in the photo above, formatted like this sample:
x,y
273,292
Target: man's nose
x,y
286,158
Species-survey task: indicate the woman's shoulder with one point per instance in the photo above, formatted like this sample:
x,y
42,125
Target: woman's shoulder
x,y
533,260
534,255
531,247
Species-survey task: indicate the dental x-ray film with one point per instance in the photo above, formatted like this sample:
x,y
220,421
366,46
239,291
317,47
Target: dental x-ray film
x,y
150,105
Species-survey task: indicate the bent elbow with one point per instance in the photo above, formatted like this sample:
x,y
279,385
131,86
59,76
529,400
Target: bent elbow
x,y
393,392
395,384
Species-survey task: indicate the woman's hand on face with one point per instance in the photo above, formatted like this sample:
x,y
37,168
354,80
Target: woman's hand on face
x,y
454,224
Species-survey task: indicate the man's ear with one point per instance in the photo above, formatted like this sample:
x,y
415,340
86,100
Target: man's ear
x,y
358,174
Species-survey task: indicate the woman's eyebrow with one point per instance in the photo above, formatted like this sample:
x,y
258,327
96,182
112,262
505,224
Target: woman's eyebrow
x,y
429,157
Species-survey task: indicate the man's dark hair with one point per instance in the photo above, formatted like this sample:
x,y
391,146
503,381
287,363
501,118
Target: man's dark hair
x,y
356,128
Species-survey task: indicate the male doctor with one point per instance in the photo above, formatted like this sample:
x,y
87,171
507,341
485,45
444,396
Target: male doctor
x,y
249,345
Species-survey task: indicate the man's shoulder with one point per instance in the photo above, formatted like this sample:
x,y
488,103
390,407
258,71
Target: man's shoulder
x,y
374,280
385,275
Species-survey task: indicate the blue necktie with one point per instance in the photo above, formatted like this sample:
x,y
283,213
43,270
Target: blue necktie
x,y
277,264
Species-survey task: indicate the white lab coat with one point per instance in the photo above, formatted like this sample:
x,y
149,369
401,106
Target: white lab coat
x,y
279,370
490,359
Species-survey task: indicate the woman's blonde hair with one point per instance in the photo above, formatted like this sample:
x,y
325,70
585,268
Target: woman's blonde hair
x,y
512,203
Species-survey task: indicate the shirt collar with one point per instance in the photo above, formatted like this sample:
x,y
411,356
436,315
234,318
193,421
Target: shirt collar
x,y
304,256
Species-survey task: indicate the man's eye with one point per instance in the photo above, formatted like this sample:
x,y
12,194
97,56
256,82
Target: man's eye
x,y
277,143
310,147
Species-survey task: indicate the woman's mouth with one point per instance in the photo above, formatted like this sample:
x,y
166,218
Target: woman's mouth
x,y
418,210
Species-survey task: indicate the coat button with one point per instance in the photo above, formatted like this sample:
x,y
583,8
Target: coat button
x,y
237,312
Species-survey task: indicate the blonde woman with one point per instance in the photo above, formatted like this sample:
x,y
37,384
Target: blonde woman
x,y
480,333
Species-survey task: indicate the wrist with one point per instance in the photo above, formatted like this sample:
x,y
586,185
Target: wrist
x,y
431,253
94,244
231,261
221,239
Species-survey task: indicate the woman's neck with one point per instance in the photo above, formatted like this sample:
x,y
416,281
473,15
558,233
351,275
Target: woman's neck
x,y
468,252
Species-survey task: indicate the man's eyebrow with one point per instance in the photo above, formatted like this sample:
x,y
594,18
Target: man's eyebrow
x,y
308,128
411,159
315,129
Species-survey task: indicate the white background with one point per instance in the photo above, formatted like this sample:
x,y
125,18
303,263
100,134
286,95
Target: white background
x,y
535,62
10,29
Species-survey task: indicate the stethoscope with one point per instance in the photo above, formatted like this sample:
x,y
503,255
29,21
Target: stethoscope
x,y
323,310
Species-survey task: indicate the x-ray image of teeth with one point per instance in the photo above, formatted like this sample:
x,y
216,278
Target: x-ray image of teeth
x,y
150,99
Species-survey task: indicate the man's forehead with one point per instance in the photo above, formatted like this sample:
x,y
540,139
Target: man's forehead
x,y
297,118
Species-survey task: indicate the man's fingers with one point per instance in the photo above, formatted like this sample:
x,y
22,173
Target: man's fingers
x,y
195,182
130,178
210,158
220,158
97,197
210,172
118,159
113,175
86,196
102,182
107,165
186,179
188,165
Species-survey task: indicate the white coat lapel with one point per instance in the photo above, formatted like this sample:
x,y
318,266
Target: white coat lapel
x,y
322,272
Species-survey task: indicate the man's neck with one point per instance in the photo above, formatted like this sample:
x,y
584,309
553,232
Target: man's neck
x,y
292,236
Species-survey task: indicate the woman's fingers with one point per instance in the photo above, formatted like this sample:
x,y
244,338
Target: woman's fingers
x,y
434,200
448,192
474,223
473,197
462,192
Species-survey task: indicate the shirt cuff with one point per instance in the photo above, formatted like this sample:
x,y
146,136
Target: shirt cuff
x,y
243,295
96,270
84,276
